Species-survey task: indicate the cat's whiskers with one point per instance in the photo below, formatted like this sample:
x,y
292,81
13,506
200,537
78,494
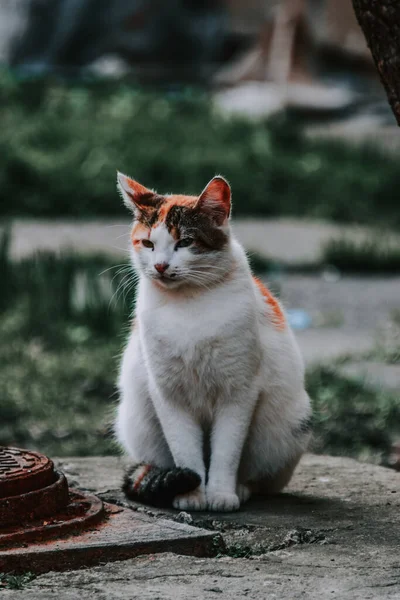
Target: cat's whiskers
x,y
124,286
210,275
115,267
126,271
201,281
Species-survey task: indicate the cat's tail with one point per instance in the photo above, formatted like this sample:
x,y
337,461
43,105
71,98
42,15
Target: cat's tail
x,y
158,487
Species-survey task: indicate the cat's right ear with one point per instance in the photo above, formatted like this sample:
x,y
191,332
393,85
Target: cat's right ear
x,y
136,197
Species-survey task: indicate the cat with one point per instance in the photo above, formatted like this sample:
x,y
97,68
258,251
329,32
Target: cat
x,y
212,400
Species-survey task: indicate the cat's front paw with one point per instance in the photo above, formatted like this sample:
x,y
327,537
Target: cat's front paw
x,y
219,501
195,500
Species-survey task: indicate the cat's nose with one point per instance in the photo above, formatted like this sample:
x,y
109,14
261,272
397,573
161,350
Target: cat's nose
x,y
161,267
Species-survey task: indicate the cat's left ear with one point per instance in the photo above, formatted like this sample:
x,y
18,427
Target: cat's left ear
x,y
215,200
136,197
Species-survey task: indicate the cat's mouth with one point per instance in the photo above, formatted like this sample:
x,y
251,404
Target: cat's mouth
x,y
166,279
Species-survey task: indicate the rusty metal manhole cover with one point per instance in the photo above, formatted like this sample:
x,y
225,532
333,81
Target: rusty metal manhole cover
x,y
46,526
35,502
22,471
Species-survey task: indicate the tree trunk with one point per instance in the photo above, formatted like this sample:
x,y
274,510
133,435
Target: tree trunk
x,y
380,22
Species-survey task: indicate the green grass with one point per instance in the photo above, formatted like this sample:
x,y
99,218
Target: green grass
x,y
61,144
373,256
63,321
260,264
351,419
57,398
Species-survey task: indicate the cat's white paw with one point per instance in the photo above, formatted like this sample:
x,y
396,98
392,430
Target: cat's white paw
x,y
195,500
222,501
244,492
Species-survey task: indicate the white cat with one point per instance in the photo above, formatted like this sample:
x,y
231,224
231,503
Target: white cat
x,y
213,405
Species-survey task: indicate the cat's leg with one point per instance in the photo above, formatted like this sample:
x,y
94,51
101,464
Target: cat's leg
x,y
184,436
228,435
273,484
137,426
243,491
278,435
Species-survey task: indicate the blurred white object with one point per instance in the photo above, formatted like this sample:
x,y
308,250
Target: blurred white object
x,y
298,319
13,21
331,274
318,97
261,99
108,65
254,99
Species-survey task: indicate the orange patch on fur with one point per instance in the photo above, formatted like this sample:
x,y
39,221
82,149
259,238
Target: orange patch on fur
x,y
142,475
278,316
177,200
175,233
139,232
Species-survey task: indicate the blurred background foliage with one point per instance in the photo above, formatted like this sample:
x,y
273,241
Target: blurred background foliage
x,y
173,93
62,143
63,322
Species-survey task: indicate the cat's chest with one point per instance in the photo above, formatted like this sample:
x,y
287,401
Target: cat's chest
x,y
195,372
199,321
199,353
185,335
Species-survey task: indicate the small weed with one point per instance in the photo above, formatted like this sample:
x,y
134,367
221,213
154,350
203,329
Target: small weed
x,y
298,537
15,582
243,551
294,537
218,546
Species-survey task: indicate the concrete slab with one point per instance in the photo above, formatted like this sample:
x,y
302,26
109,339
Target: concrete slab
x,y
330,496
334,534
325,492
171,577
123,535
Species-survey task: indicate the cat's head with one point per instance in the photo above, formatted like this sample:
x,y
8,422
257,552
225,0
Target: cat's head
x,y
180,240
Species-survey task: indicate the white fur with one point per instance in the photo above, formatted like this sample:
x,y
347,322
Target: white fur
x,y
209,363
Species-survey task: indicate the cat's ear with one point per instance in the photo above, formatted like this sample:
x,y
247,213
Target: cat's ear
x,y
215,200
136,197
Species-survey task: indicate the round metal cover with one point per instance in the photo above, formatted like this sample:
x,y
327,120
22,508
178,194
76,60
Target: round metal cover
x,y
83,511
44,502
23,471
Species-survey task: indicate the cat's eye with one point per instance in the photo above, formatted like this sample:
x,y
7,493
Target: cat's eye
x,y
148,244
183,243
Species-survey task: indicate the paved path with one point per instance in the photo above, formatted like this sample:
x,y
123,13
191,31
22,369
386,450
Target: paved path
x,y
350,316
289,240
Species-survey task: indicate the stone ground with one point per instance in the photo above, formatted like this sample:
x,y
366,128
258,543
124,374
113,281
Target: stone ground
x,y
334,533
